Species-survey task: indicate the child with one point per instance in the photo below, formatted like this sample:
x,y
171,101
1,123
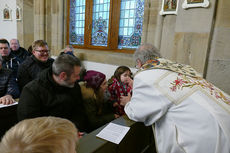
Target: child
x,y
121,86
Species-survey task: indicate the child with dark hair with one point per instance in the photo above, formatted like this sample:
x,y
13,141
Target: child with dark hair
x,y
121,86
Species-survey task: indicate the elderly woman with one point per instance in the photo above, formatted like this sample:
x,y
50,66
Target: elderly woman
x,y
43,135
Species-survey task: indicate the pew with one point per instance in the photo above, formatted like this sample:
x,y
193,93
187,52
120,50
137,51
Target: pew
x,y
139,139
8,117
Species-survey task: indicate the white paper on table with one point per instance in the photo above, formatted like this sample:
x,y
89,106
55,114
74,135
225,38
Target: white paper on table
x,y
113,133
1,105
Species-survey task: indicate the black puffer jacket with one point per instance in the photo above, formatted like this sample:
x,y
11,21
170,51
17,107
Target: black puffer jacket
x,y
8,85
21,54
29,70
12,63
44,97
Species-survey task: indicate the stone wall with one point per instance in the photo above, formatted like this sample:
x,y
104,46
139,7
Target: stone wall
x,y
106,57
183,37
218,69
8,27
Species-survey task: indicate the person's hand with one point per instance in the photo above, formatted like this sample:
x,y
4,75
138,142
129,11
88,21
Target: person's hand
x,y
6,100
116,115
130,82
68,50
115,104
81,134
125,99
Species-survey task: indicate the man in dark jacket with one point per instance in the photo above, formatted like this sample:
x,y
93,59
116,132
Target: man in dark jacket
x,y
55,93
8,86
17,51
34,64
9,61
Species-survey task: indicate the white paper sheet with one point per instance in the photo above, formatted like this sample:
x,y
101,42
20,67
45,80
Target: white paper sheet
x,y
113,133
1,105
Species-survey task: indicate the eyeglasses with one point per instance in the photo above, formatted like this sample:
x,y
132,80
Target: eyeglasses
x,y
42,51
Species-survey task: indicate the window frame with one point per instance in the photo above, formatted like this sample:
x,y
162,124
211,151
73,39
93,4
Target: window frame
x,y
114,18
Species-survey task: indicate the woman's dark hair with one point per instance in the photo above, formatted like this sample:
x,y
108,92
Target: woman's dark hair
x,y
120,70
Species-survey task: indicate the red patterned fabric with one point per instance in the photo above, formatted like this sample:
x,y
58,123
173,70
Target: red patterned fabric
x,y
118,89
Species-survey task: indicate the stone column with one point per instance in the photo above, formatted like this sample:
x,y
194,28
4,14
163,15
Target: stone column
x,y
152,24
48,23
57,21
39,19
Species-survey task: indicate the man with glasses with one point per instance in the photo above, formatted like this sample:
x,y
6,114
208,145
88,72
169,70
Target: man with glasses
x,y
9,61
34,64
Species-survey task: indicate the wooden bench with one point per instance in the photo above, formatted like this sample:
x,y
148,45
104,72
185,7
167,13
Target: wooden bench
x,y
139,139
8,118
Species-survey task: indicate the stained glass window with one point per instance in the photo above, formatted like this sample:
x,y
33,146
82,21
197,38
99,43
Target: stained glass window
x,y
100,22
131,20
77,22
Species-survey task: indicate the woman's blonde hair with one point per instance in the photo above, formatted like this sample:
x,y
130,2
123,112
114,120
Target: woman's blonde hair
x,y
40,135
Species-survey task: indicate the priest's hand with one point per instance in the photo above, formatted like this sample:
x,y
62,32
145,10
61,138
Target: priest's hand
x,y
130,82
125,99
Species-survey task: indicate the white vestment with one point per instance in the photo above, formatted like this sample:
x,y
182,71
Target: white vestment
x,y
190,115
